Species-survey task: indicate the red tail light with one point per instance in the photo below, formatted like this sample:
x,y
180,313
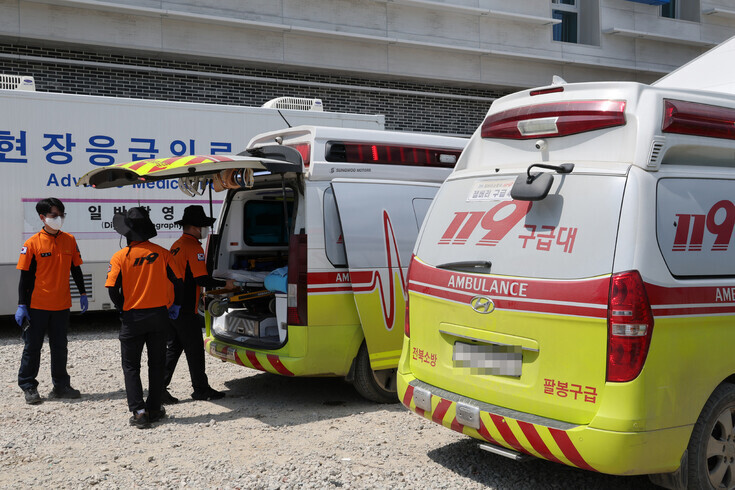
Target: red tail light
x,y
554,119
543,91
682,117
339,151
407,325
630,326
297,275
305,150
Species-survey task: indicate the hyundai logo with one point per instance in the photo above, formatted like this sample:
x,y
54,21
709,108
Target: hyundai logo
x,y
482,304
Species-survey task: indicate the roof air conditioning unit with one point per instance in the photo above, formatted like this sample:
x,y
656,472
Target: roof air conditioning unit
x,y
17,82
295,103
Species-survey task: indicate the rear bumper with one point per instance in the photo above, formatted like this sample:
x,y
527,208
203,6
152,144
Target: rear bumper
x,y
242,356
618,453
308,351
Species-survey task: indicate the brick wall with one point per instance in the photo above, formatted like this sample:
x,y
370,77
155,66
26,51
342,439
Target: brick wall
x,y
426,107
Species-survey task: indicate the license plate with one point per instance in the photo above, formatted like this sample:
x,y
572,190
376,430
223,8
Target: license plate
x,y
488,359
224,352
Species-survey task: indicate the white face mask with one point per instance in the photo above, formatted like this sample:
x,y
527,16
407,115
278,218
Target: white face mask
x,y
54,223
204,231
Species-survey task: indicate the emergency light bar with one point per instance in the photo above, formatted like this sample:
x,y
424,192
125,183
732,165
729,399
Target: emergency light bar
x,y
695,119
338,151
554,119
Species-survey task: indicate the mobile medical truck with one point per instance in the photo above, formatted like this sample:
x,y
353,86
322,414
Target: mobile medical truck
x,y
48,140
338,208
572,292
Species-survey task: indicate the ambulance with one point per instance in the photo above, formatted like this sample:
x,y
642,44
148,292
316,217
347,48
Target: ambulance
x,y
329,214
572,289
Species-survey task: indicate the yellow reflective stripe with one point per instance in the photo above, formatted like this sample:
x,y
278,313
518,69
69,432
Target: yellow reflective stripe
x,y
385,360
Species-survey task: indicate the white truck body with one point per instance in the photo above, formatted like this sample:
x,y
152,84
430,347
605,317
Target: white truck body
x,y
49,140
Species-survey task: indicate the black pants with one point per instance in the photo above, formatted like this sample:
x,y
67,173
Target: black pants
x,y
146,327
54,323
185,334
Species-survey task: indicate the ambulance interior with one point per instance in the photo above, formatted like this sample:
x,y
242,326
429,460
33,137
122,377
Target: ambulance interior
x,y
254,232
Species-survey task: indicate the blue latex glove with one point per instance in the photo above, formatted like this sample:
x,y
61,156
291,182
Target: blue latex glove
x,y
173,312
21,313
83,303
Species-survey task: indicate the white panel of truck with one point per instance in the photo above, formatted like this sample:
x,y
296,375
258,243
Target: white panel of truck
x,y
47,141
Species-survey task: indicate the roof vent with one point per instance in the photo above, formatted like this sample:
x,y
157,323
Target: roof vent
x,y
17,82
655,155
295,103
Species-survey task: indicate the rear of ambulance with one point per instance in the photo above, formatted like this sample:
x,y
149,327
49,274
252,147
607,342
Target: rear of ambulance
x,y
261,244
520,329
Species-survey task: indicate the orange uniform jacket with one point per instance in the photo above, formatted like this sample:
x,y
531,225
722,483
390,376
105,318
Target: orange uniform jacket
x,y
53,256
144,267
189,255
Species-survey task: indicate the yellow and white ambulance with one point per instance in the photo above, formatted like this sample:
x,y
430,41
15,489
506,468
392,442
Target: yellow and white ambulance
x,y
332,215
572,292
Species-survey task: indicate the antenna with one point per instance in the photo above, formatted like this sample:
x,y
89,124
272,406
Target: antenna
x,y
284,118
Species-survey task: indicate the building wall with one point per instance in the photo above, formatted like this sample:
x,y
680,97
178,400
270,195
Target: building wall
x,y
427,65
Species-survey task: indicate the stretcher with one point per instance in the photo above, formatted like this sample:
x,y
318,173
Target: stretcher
x,y
220,299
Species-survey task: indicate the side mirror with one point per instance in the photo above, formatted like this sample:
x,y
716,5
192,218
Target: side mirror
x,y
535,187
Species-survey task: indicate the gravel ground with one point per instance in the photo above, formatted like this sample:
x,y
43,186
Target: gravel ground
x,y
269,432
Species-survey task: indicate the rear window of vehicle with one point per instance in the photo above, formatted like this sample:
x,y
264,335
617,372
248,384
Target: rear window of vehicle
x,y
695,219
263,222
570,234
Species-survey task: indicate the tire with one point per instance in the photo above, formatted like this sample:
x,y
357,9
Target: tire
x,y
711,451
377,386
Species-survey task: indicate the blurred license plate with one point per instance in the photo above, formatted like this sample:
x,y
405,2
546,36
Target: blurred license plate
x,y
224,352
488,359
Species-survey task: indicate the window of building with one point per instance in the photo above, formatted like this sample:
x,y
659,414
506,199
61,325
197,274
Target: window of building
x,y
567,12
681,9
580,21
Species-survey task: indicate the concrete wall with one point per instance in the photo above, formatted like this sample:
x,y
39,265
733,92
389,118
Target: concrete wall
x,y
444,58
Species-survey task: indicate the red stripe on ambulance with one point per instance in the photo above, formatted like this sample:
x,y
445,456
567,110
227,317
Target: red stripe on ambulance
x,y
567,447
529,430
441,411
278,365
506,433
254,360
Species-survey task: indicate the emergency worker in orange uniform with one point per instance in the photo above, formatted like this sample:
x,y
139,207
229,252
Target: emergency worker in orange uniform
x,y
186,331
137,281
44,299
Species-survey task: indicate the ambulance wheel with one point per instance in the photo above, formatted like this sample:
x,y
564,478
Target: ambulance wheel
x,y
712,445
377,386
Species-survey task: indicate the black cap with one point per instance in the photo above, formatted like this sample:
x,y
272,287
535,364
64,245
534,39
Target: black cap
x,y
194,215
135,225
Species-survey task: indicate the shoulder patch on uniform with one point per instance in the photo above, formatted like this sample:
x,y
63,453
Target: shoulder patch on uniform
x,y
23,250
200,257
109,267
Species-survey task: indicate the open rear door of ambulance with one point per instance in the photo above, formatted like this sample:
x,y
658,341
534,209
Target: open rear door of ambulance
x,y
380,221
194,171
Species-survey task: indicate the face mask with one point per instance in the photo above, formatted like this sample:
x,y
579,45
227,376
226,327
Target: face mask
x,y
204,231
54,223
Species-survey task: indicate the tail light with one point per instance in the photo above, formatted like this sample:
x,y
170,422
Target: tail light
x,y
554,119
630,326
682,117
304,150
297,275
348,152
407,325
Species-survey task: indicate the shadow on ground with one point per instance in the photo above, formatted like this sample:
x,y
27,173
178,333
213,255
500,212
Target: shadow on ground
x,y
283,401
462,458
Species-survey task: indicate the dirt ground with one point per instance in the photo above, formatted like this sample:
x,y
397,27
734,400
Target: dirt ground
x,y
269,432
